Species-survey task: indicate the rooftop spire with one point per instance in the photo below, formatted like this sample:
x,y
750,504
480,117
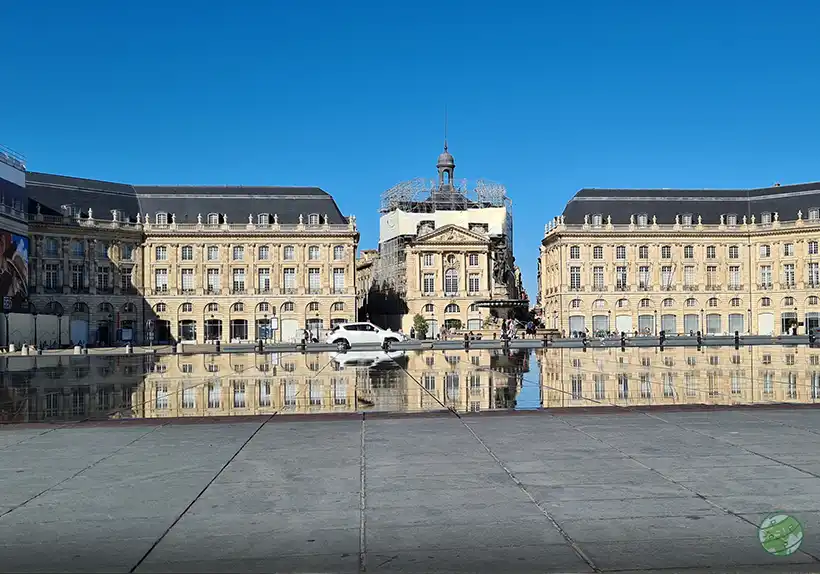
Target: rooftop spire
x,y
445,127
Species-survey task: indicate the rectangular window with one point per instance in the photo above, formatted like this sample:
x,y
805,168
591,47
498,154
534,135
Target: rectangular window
x,y
427,259
711,277
314,281
214,395
814,275
161,280
788,274
623,386
788,249
77,274
598,278
765,251
577,387
187,280
238,252
734,252
765,276
213,253
643,277
238,280
214,283
812,246
575,278
597,252
472,259
315,393
239,394
189,398
289,253
689,276
187,253
263,282
161,253
125,278
473,282
339,280
620,252
77,249
338,253
734,277
429,283
600,386
103,278
263,253
666,276
289,280
51,279
711,252
162,396
621,278
264,393
688,252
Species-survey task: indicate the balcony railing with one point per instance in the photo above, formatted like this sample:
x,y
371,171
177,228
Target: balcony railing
x,y
314,290
213,290
186,291
735,287
764,286
289,290
644,287
265,290
621,287
668,288
451,293
160,290
339,291
599,288
713,287
690,287
576,288
239,290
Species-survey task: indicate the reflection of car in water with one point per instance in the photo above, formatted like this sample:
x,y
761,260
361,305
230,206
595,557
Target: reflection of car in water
x,y
370,359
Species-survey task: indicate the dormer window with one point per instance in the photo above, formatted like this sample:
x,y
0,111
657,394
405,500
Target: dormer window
x,y
313,219
597,220
686,219
213,219
765,218
643,220
162,218
263,219
731,219
116,215
814,214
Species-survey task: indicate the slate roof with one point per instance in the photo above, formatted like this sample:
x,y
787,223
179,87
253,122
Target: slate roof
x,y
665,204
237,202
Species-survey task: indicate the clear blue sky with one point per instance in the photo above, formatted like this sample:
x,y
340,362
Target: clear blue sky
x,y
546,98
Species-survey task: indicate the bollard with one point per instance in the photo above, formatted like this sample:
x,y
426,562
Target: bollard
x,y
174,348
84,350
260,346
466,342
218,346
623,341
812,337
39,351
129,349
78,350
737,340
12,348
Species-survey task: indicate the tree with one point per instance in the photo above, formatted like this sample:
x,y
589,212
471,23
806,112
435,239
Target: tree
x,y
421,326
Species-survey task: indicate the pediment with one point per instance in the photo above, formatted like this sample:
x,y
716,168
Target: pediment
x,y
452,234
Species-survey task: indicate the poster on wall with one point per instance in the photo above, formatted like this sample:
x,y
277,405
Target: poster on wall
x,y
13,269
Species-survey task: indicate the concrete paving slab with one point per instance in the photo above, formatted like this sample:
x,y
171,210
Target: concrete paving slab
x,y
651,529
629,508
607,491
771,471
310,564
764,487
234,497
487,511
636,475
751,503
89,556
522,559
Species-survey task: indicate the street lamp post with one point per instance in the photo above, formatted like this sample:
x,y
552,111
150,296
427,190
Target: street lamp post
x,y
34,314
6,316
60,328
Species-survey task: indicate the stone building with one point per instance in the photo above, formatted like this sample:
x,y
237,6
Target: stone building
x,y
116,262
445,253
641,261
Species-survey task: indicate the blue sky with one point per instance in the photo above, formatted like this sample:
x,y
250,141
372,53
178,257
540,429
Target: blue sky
x,y
544,97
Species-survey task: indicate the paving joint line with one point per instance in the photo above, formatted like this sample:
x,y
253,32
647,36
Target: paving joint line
x,y
574,545
737,515
362,499
79,472
201,492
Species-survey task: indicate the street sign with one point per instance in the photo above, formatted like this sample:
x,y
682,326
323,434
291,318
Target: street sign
x,y
6,303
274,323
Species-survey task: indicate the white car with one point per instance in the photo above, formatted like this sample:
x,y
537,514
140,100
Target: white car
x,y
347,334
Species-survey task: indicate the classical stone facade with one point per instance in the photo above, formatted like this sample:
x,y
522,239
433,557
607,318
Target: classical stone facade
x,y
683,261
679,375
445,253
114,263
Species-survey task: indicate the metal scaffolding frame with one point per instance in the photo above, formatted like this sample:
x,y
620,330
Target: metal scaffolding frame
x,y
421,195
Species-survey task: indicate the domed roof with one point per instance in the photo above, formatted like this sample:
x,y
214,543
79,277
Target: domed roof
x,y
446,159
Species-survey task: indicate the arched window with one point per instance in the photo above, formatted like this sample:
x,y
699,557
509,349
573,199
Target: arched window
x,y
599,304
186,308
452,308
575,304
338,306
338,253
622,303
80,308
238,307
643,252
160,308
313,219
691,302
669,302
313,306
187,253
735,302
765,302
788,301
161,218
451,281
712,302
287,307
213,219
313,252
263,307
645,303
129,308
288,253
643,220
105,308
212,307
429,308
263,219
812,300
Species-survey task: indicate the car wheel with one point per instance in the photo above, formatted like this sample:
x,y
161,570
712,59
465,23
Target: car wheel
x,y
391,340
342,344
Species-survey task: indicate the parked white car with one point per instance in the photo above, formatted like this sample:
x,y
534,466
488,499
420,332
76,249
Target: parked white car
x,y
347,334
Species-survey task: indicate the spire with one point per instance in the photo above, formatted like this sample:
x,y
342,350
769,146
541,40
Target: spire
x,y
446,164
445,127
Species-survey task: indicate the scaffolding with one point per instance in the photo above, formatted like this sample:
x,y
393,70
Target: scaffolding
x,y
424,195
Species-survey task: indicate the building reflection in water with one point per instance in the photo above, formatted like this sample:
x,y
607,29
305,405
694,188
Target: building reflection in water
x,y
52,388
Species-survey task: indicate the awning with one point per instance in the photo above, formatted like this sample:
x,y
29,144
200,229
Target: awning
x,y
503,303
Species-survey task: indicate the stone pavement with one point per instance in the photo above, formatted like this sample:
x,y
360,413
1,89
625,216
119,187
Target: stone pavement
x,y
535,492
